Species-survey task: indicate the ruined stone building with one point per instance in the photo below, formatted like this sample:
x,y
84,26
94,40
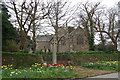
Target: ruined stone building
x,y
70,40
43,43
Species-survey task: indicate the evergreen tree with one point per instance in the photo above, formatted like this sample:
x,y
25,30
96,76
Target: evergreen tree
x,y
9,33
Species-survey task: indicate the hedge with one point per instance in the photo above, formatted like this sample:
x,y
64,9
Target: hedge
x,y
59,53
25,60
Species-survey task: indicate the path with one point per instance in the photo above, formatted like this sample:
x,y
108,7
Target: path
x,y
112,75
91,72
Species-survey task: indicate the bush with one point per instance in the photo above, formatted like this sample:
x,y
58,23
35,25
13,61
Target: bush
x,y
107,47
62,53
40,52
88,52
23,52
10,46
15,53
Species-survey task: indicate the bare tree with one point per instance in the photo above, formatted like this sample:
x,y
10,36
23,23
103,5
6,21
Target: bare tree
x,y
28,17
100,25
23,12
87,20
59,15
110,27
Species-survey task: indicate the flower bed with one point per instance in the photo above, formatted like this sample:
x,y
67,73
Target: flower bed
x,y
103,65
39,71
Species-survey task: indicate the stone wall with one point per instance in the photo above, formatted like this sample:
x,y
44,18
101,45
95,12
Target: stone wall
x,y
43,45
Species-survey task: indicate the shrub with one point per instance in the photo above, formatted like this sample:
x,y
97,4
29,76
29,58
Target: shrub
x,y
88,52
63,53
40,52
11,46
107,47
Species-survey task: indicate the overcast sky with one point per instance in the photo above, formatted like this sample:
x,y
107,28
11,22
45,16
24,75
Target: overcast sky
x,y
108,3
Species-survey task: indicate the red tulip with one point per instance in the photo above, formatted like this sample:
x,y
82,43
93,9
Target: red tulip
x,y
57,64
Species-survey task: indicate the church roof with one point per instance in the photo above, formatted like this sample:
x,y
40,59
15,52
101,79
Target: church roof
x,y
44,38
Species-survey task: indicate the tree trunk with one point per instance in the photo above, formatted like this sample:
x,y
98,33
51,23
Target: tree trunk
x,y
23,41
115,46
54,51
103,41
34,39
118,45
92,47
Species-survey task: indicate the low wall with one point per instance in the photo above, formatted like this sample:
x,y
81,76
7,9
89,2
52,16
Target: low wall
x,y
20,60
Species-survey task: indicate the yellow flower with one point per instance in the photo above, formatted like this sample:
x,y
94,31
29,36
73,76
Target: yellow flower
x,y
6,68
67,67
41,67
1,67
74,67
36,63
39,71
11,65
71,68
39,64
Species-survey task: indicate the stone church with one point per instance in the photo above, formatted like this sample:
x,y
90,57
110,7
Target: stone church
x,y
70,40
